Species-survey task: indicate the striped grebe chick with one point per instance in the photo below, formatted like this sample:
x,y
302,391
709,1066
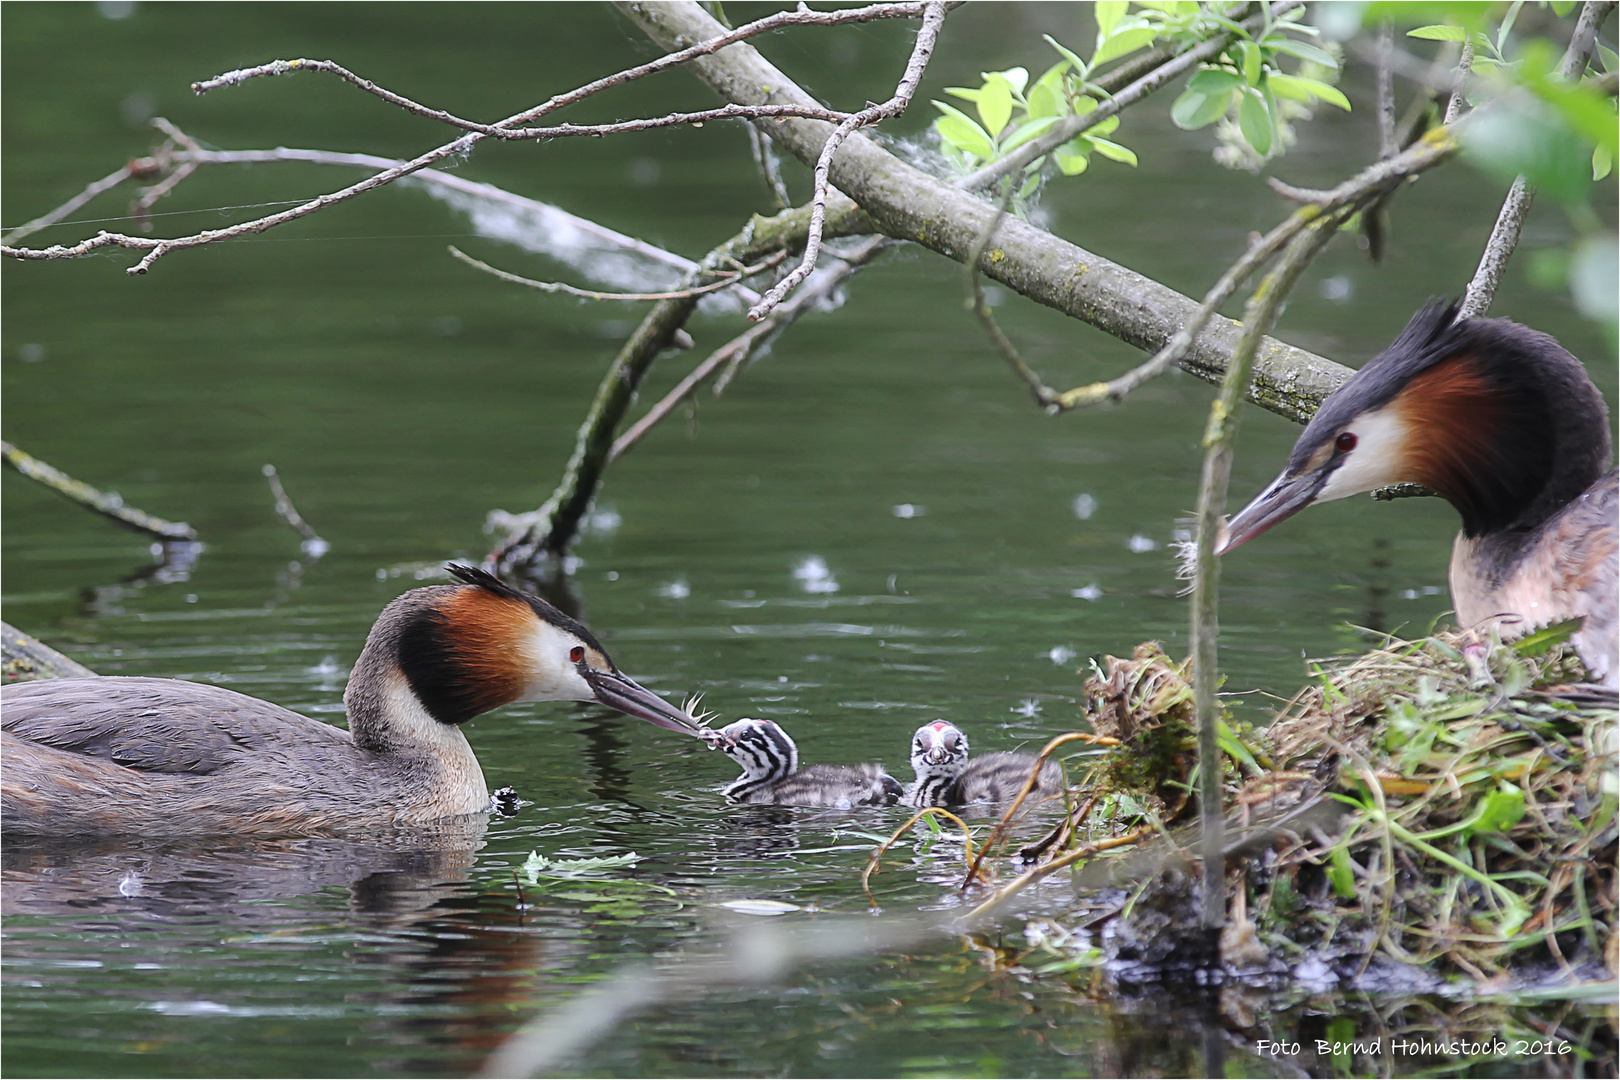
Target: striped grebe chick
x,y
1506,426
164,757
946,776
771,773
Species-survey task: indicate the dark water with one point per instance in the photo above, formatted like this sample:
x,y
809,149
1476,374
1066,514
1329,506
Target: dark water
x,y
402,396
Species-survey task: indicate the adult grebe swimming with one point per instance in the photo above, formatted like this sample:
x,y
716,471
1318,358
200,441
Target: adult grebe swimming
x,y
163,757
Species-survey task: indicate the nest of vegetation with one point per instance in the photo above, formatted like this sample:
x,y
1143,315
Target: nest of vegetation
x,y
1475,789
1447,804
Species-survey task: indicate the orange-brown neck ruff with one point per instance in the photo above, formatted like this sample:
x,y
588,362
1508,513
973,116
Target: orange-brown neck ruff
x,y
468,653
1481,437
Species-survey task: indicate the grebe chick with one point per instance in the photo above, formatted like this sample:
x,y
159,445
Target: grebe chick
x,y
163,757
947,777
771,773
1509,429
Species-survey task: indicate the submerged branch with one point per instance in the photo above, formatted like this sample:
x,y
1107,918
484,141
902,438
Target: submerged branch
x,y
105,503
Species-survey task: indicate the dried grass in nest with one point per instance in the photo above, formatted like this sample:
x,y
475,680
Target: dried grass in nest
x,y
1480,791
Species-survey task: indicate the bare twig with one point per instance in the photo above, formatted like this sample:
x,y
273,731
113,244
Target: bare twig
x,y
1459,96
769,166
1018,802
922,50
727,278
874,860
1044,395
156,248
1072,126
314,546
102,502
91,190
734,353
1386,90
1219,438
1510,220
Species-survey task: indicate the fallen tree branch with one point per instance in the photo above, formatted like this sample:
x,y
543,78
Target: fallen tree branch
x,y
537,543
104,503
908,204
24,658
736,352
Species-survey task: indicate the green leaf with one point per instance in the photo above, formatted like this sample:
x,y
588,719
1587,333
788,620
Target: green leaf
x,y
1341,873
1304,50
1026,131
1252,62
995,105
1079,64
1124,43
1047,97
1295,88
1255,123
1544,639
1561,8
1017,78
1602,162
1214,80
1499,811
1112,150
1439,33
964,93
959,131
1193,110
1072,157
1109,13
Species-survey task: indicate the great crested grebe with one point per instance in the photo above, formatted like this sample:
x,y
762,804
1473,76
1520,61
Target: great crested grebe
x,y
771,773
1507,427
946,776
163,757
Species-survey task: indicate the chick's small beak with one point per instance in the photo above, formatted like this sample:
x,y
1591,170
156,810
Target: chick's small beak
x,y
937,755
617,691
1282,499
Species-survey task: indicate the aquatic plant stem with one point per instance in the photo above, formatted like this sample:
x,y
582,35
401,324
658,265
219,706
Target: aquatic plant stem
x,y
1219,438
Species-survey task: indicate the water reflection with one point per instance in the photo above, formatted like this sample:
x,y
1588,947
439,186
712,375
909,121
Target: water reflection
x,y
173,562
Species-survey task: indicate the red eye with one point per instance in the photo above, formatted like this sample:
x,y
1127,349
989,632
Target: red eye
x,y
1345,443
577,653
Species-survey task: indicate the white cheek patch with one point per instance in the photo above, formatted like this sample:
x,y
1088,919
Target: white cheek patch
x,y
1376,460
550,675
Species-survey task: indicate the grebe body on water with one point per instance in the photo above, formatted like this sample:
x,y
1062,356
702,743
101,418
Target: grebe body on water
x,y
164,757
771,773
947,776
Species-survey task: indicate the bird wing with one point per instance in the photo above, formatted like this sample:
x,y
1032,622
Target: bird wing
x,y
156,725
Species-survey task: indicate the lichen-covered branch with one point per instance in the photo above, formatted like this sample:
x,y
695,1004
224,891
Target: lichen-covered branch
x,y
24,658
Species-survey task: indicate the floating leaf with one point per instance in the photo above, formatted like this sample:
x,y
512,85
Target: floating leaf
x,y
760,907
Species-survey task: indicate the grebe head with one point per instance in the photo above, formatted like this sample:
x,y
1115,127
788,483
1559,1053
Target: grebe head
x,y
1495,417
939,749
461,650
762,748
